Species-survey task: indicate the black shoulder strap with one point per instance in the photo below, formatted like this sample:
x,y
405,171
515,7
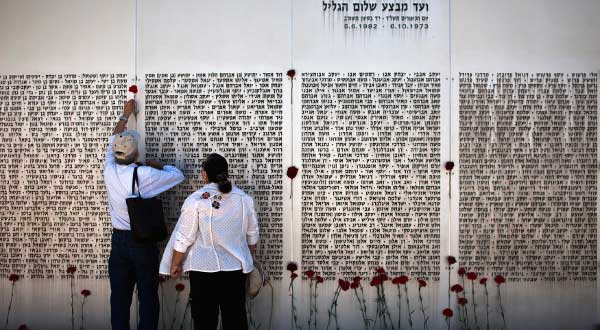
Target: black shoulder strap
x,y
134,182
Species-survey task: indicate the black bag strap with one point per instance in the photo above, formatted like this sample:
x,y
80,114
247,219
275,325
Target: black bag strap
x,y
134,182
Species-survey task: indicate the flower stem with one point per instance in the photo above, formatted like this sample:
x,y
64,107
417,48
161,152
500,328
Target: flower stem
x,y
487,308
425,318
410,322
474,304
466,310
310,302
333,309
12,293
399,307
385,307
82,313
72,307
360,305
501,309
315,305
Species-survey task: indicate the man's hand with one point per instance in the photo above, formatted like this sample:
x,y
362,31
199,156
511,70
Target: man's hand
x,y
155,164
176,270
129,108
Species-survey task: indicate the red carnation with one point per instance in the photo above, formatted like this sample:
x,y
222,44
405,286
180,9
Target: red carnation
x,y
383,277
85,292
483,281
205,195
293,275
292,171
291,73
292,267
451,260
447,312
462,301
376,281
461,271
499,279
179,287
354,285
396,280
356,279
422,283
319,279
309,273
403,279
456,288
23,327
345,285
449,166
13,277
133,89
71,269
380,270
472,276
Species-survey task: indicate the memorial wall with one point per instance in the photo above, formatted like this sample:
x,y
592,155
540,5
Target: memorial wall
x,y
419,130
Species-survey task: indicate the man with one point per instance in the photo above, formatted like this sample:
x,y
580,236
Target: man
x,y
132,263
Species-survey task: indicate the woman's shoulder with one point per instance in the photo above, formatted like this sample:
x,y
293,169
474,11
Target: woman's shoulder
x,y
197,197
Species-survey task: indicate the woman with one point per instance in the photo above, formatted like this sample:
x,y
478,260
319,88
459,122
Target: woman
x,y
214,240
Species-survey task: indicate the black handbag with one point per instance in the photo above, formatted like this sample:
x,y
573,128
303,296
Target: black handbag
x,y
145,216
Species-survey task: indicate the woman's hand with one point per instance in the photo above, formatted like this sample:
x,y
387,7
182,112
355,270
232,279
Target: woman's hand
x,y
175,270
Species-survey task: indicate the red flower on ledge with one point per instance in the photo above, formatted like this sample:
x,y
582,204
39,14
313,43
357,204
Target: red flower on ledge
x,y
345,285
483,281
133,89
499,279
71,270
422,283
376,281
291,73
447,312
309,273
86,292
472,276
462,301
13,278
461,271
319,279
456,288
292,267
292,171
451,260
449,166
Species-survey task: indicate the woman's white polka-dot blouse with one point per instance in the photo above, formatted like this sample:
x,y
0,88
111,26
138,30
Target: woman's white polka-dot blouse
x,y
215,230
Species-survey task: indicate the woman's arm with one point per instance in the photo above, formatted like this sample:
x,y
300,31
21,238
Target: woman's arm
x,y
185,235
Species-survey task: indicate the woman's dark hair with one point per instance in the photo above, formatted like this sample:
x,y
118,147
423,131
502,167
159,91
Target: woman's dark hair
x,y
217,171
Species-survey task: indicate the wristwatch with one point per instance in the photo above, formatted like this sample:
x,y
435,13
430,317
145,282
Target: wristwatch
x,y
123,118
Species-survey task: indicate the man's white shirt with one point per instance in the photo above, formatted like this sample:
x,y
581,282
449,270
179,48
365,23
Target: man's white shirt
x,y
117,179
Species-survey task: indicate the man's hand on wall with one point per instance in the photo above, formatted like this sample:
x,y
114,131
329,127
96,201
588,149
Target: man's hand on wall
x,y
129,108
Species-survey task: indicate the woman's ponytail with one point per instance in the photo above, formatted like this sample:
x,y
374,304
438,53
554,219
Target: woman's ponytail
x,y
223,183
